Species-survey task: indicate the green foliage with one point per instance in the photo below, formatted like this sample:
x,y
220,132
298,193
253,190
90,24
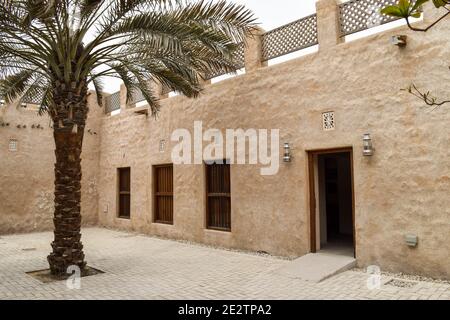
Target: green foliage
x,y
394,11
405,9
174,42
440,3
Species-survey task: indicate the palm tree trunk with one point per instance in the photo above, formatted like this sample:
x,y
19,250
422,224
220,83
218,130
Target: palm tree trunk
x,y
68,130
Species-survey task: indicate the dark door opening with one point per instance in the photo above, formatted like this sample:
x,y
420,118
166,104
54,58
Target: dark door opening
x,y
335,205
332,209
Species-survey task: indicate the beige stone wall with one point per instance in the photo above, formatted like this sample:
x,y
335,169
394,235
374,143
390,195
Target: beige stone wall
x,y
27,176
403,188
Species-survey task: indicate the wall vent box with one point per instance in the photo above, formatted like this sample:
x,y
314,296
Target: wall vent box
x,y
411,240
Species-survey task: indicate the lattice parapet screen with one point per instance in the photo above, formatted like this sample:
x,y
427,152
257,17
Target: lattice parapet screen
x,y
137,96
289,38
35,99
239,56
112,102
238,60
359,15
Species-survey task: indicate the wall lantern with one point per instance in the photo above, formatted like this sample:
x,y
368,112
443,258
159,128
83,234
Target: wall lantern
x,y
399,40
367,145
287,152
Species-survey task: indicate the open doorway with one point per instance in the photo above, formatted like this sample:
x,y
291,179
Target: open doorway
x,y
331,201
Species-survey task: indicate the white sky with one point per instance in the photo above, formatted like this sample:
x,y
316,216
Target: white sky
x,y
275,13
270,14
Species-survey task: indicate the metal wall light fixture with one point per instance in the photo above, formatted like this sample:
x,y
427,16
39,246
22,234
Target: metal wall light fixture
x,y
287,152
367,145
399,40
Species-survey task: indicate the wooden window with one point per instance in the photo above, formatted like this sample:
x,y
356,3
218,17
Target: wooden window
x,y
163,193
218,202
124,192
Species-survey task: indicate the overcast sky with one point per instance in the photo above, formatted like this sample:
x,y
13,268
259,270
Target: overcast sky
x,y
274,13
270,14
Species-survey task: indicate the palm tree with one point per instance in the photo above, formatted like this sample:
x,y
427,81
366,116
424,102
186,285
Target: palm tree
x,y
64,46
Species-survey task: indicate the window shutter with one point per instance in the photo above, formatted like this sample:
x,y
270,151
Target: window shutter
x,y
218,192
124,192
163,193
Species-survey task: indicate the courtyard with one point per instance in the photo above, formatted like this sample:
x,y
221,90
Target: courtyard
x,y
141,267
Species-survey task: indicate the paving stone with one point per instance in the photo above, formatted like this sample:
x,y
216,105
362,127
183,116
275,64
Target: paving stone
x,y
139,267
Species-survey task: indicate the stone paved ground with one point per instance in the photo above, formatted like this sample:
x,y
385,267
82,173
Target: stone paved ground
x,y
140,267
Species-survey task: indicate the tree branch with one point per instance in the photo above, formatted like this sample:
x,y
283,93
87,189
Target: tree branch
x,y
430,26
425,96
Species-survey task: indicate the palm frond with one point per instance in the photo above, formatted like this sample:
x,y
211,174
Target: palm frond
x,y
13,86
98,87
47,102
70,43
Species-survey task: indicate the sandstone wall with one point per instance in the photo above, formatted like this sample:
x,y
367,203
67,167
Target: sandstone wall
x,y
27,175
403,188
